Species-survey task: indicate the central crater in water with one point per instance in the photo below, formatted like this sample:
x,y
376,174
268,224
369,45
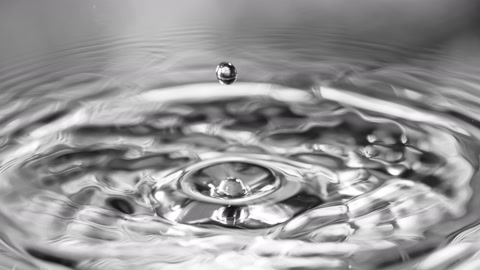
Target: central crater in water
x,y
224,181
187,175
212,191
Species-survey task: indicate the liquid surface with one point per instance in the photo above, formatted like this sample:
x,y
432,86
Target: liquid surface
x,y
247,176
349,140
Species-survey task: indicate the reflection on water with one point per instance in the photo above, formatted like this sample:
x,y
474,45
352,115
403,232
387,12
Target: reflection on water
x,y
339,147
256,174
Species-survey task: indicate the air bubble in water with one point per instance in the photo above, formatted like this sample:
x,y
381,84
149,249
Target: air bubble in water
x,y
226,73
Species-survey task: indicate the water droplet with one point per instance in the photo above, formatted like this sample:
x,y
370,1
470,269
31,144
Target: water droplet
x,y
226,73
369,151
231,188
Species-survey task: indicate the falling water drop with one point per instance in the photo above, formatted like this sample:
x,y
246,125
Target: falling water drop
x,y
226,73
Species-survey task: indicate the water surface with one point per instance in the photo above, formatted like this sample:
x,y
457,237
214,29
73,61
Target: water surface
x,y
335,148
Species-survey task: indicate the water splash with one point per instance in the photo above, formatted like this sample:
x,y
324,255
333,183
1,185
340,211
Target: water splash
x,y
230,188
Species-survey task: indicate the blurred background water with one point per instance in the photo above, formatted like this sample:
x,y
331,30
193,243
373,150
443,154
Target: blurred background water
x,y
350,139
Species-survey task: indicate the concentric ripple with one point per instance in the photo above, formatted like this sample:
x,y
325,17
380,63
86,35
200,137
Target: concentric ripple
x,y
247,176
214,192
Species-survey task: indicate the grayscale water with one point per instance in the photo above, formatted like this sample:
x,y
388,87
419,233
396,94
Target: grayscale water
x,y
331,150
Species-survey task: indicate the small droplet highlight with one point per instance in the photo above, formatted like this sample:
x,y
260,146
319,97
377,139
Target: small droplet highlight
x,y
231,188
226,73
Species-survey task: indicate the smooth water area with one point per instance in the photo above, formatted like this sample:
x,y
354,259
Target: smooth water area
x,y
321,148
